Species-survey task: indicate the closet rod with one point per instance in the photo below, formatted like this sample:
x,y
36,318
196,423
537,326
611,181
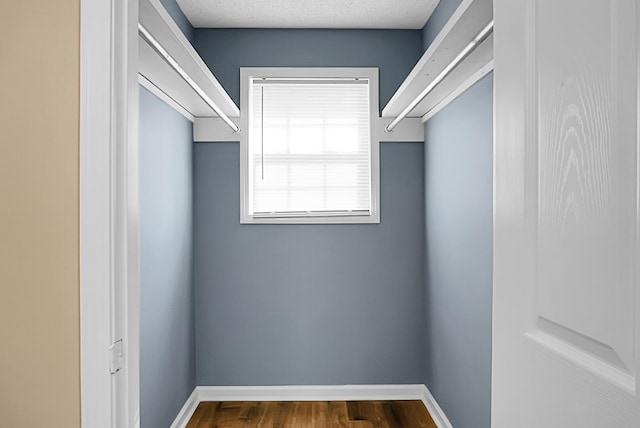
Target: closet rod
x,y
174,64
482,35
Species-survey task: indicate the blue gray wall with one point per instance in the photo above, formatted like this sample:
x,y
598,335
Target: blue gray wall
x,y
167,323
459,218
309,304
394,52
437,21
176,13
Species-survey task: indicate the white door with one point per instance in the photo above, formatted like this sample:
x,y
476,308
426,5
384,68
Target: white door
x,y
566,250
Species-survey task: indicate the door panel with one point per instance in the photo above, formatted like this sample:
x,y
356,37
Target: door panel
x,y
566,229
586,182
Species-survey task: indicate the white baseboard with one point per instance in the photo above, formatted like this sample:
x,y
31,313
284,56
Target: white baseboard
x,y
434,409
311,393
187,410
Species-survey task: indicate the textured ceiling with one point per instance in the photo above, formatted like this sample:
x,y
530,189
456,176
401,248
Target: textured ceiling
x,y
391,14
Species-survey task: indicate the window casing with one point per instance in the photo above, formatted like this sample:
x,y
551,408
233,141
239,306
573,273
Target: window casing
x,y
308,148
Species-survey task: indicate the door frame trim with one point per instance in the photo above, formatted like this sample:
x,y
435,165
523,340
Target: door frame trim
x,y
109,278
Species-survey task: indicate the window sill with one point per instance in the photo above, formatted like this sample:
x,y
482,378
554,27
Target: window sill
x,y
369,219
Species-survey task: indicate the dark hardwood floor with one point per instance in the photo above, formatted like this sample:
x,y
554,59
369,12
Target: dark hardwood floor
x,y
311,414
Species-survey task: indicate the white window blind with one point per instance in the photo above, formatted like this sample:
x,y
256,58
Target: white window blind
x,y
309,147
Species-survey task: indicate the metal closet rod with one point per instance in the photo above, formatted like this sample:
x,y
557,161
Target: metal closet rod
x,y
174,64
482,35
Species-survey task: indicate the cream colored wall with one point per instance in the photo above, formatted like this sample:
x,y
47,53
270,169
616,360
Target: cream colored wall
x,y
39,285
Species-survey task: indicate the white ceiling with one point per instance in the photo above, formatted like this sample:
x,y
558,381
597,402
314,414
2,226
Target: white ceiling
x,y
391,14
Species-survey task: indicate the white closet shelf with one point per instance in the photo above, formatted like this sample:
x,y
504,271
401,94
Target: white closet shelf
x,y
465,23
157,21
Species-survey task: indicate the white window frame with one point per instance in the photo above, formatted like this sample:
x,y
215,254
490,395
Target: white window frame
x,y
370,73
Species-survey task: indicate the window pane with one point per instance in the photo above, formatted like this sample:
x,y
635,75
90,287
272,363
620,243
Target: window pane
x,y
311,146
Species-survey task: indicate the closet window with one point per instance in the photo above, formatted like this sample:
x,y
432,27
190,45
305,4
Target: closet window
x,y
308,153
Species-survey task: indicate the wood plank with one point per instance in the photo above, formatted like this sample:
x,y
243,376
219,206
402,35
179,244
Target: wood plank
x,y
337,416
366,413
311,414
319,414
